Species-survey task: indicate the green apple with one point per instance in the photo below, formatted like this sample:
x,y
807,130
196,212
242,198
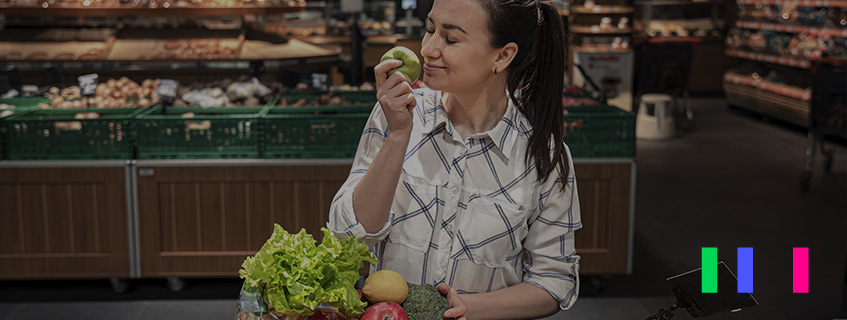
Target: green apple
x,y
411,65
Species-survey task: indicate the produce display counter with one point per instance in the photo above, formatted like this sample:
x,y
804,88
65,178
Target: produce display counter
x,y
201,218
64,219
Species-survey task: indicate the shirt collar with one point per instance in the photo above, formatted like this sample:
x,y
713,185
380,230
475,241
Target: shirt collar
x,y
503,135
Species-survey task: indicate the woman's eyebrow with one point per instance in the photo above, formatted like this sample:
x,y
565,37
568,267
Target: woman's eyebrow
x,y
448,26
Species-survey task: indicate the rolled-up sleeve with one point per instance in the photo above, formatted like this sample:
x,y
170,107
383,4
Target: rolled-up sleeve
x,y
551,262
342,218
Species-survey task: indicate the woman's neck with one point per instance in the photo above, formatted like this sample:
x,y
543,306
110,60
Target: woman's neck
x,y
476,111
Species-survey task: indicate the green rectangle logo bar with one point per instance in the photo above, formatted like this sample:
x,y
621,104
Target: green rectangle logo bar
x,y
709,261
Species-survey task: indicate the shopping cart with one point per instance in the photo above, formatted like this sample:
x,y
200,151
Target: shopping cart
x,y
664,67
827,115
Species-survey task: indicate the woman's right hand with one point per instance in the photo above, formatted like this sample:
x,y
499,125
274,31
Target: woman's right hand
x,y
395,95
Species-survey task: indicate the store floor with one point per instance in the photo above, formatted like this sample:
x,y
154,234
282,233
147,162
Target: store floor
x,y
731,181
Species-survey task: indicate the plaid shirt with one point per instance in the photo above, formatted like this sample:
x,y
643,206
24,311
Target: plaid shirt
x,y
468,212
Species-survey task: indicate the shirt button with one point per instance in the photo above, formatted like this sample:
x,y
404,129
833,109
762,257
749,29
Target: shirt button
x,y
455,189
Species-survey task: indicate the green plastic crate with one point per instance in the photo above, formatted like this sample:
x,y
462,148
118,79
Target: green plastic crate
x,y
3,131
600,131
52,134
212,133
314,132
357,97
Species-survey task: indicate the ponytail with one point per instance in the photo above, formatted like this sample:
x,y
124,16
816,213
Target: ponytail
x,y
537,71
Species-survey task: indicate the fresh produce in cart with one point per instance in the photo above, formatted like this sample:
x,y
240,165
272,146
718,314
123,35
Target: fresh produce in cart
x,y
295,277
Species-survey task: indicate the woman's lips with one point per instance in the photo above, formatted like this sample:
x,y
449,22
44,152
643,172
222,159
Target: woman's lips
x,y
430,68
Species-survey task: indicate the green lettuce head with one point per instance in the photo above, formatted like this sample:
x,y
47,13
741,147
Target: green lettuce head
x,y
295,275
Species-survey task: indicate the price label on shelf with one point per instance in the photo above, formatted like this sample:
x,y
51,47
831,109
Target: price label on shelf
x,y
320,82
167,89
88,84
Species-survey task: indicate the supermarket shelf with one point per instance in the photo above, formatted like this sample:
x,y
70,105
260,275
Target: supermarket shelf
x,y
674,2
836,32
802,3
791,62
675,39
768,103
603,10
7,164
172,11
327,40
599,49
780,89
587,30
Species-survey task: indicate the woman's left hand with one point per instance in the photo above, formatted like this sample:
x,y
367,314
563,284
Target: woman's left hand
x,y
457,306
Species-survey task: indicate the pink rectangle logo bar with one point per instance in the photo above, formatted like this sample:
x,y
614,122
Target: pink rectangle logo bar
x,y
801,270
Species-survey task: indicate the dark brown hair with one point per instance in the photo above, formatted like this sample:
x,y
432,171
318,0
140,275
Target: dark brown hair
x,y
537,71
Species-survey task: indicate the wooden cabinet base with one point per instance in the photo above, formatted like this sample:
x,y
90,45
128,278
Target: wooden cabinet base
x,y
63,223
605,198
203,221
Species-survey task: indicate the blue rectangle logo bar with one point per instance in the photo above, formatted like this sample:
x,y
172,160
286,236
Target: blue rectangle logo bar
x,y
745,270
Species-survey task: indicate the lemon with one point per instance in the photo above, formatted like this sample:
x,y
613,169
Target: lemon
x,y
385,286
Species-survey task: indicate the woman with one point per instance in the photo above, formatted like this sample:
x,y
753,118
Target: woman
x,y
468,185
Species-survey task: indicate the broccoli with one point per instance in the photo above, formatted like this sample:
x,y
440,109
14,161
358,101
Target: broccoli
x,y
425,303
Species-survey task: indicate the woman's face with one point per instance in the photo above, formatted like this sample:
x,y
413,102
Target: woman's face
x,y
456,48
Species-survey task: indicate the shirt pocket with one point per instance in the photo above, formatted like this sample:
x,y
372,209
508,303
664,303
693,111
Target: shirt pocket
x,y
491,232
415,207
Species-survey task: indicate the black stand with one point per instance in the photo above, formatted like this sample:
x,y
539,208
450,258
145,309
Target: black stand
x,y
664,313
357,38
844,291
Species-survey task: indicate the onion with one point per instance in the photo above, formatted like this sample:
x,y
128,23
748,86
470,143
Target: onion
x,y
101,89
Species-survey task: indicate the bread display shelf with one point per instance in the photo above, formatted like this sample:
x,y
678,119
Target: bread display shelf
x,y
177,45
171,11
53,51
167,46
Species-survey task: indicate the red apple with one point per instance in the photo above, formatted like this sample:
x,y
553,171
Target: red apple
x,y
385,311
